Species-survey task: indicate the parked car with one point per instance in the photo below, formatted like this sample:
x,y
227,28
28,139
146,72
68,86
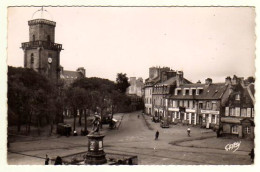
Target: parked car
x,y
164,124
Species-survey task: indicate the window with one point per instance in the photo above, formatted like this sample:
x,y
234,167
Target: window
x,y
243,112
208,105
174,103
214,106
237,111
48,38
32,58
237,97
248,112
233,111
213,119
181,103
200,105
247,130
187,116
186,103
186,92
33,38
234,129
227,111
191,104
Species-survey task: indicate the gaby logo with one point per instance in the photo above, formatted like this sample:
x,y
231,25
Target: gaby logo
x,y
234,146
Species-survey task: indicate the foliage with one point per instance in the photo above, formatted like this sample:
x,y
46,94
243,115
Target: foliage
x,y
31,98
122,82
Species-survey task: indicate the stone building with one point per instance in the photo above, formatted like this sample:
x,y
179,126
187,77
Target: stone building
x,y
41,53
170,80
198,104
238,119
70,76
154,78
136,86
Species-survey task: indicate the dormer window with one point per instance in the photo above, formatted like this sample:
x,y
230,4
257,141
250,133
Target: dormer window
x,y
237,97
177,91
185,91
199,91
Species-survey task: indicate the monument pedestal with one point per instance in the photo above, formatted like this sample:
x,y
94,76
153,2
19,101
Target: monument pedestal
x,y
95,154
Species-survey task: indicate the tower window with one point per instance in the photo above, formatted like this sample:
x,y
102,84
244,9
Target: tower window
x,y
33,38
32,58
48,38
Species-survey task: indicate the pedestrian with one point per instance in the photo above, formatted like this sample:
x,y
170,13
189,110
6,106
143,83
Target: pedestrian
x,y
58,161
47,160
138,115
156,135
188,131
252,155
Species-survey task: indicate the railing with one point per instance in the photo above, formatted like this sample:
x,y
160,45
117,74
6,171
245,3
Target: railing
x,y
44,44
41,21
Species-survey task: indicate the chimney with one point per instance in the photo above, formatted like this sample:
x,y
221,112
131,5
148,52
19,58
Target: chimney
x,y
234,80
208,81
228,81
179,78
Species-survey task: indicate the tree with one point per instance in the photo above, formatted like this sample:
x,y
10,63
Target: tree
x,y
122,82
28,92
251,79
76,101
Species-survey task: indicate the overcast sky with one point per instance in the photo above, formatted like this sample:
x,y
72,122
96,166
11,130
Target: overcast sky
x,y
202,41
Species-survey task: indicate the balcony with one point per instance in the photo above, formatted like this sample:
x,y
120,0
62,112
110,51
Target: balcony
x,y
44,44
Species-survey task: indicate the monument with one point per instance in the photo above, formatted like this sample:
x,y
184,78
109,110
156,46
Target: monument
x,y
95,154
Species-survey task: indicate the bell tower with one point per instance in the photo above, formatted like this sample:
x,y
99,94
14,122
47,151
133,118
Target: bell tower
x,y
41,53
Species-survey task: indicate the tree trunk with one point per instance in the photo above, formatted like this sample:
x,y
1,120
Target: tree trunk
x,y
19,122
74,122
80,115
85,118
38,126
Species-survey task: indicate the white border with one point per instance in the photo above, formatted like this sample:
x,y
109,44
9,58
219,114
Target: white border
x,y
3,79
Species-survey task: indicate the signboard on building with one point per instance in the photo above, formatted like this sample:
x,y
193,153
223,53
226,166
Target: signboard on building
x,y
210,112
190,110
173,109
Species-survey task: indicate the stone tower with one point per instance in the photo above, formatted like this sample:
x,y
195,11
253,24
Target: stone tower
x,y
41,53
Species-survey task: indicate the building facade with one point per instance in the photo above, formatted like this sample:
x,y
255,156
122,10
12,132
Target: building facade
x,y
238,119
155,76
170,80
136,86
197,104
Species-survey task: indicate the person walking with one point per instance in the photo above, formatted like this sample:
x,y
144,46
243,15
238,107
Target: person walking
x,y
47,159
156,135
188,131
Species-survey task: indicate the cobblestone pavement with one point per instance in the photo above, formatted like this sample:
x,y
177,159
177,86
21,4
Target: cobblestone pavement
x,y
135,136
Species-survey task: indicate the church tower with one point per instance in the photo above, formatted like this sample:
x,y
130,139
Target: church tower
x,y
41,53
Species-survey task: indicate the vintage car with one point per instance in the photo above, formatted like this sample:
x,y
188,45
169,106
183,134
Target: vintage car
x,y
164,124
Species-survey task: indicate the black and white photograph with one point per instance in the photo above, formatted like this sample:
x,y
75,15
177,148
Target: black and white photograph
x,y
134,85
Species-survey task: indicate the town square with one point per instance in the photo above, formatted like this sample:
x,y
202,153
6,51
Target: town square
x,y
131,86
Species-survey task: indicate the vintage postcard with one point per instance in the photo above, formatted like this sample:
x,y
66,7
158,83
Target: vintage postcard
x,y
131,85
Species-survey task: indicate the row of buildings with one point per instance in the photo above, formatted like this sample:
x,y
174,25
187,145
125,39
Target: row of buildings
x,y
226,107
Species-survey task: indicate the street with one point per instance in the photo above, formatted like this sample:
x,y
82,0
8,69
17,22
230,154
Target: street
x,y
135,136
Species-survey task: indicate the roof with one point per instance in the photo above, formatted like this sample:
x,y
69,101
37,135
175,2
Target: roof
x,y
251,92
209,92
169,81
70,74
